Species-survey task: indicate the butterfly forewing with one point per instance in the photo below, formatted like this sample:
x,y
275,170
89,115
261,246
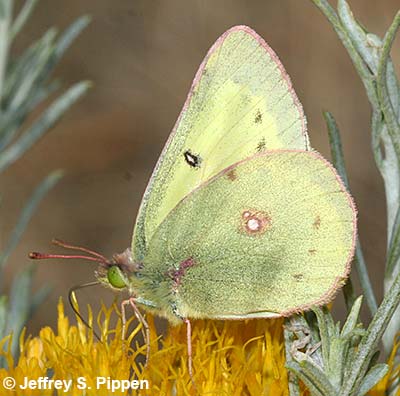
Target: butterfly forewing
x,y
241,102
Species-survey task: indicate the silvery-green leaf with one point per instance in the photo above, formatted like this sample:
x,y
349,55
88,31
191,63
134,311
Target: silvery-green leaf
x,y
27,213
357,34
352,318
47,119
22,17
372,378
3,315
19,305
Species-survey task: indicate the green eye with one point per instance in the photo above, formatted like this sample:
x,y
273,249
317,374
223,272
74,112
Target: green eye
x,y
115,277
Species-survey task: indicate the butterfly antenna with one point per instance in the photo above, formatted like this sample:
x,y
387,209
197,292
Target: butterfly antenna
x,y
94,256
65,245
72,300
44,256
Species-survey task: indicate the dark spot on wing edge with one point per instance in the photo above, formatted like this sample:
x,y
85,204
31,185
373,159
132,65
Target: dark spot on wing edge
x,y
317,222
232,176
258,117
261,145
298,277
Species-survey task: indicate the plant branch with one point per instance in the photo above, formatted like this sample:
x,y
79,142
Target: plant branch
x,y
370,341
338,162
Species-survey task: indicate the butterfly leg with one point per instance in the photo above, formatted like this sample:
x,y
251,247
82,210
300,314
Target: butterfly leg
x,y
188,341
189,350
146,333
123,314
141,319
189,346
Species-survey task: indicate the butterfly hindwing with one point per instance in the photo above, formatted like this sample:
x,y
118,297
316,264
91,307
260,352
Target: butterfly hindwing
x,y
271,235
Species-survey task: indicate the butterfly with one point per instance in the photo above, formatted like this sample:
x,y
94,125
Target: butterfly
x,y
241,218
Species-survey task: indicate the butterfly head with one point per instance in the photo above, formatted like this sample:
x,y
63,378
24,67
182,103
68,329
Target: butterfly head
x,y
116,273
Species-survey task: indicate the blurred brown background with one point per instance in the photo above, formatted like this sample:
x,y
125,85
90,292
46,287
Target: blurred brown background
x,y
141,56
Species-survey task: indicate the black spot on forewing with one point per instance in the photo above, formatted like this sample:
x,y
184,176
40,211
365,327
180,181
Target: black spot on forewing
x,y
191,159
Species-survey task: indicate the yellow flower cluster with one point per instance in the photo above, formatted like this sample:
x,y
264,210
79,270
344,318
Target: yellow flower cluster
x,y
232,358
